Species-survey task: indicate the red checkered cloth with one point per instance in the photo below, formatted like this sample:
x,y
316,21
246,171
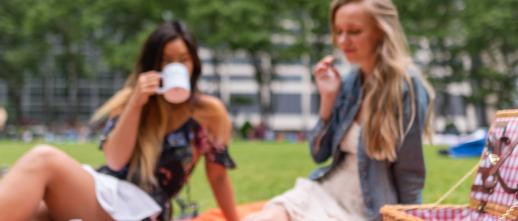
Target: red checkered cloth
x,y
450,214
508,170
441,213
432,212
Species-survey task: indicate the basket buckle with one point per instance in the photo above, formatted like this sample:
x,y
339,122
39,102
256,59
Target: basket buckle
x,y
493,158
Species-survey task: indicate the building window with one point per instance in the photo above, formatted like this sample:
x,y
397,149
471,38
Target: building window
x,y
315,103
242,78
281,78
244,103
287,103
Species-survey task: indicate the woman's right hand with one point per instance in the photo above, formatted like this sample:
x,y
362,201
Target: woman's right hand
x,y
327,77
328,84
147,85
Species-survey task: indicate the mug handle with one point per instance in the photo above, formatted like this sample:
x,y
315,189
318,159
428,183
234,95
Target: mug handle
x,y
161,89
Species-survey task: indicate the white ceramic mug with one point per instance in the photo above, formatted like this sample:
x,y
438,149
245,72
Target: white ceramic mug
x,y
176,83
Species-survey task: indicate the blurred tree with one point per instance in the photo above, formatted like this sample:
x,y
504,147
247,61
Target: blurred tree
x,y
246,26
18,55
313,39
126,23
490,42
311,31
207,23
470,41
433,30
47,38
64,33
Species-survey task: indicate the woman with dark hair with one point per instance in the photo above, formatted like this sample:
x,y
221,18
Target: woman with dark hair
x,y
151,147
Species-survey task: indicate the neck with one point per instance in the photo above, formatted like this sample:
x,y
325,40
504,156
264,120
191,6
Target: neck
x,y
181,112
367,67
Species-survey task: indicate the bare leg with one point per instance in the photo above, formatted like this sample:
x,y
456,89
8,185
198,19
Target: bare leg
x,y
273,213
48,174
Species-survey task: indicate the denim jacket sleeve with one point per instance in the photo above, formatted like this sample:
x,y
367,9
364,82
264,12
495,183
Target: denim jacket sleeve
x,y
409,168
321,137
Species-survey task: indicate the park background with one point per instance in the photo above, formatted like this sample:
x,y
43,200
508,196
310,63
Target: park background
x,y
59,60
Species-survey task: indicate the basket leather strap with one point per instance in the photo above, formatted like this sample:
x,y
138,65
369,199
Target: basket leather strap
x,y
504,184
482,189
503,158
494,170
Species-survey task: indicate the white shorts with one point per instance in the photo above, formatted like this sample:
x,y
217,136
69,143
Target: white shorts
x,y
121,199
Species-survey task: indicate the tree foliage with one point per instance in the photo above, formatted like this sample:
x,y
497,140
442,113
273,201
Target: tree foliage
x,y
471,41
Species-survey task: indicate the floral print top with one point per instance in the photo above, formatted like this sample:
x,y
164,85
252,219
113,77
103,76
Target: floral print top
x,y
181,150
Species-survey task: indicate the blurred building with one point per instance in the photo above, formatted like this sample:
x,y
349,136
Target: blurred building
x,y
293,96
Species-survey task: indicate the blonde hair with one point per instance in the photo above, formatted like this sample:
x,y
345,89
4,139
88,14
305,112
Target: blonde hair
x,y
384,130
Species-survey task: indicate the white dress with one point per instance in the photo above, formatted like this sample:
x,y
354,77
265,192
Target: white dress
x,y
336,198
123,200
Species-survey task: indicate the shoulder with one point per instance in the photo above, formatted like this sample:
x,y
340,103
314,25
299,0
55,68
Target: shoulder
x,y
208,102
209,108
211,114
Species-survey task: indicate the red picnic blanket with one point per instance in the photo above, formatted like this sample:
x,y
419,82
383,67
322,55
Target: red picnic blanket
x,y
243,210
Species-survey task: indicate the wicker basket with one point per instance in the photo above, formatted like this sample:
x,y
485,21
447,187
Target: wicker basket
x,y
492,196
446,212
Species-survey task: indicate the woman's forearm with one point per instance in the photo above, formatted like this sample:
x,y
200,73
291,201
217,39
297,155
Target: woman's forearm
x,y
119,146
222,189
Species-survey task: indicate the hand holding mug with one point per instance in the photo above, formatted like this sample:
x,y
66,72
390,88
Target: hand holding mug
x,y
147,84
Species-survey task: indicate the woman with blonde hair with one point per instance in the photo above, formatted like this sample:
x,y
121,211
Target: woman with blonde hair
x,y
151,147
371,123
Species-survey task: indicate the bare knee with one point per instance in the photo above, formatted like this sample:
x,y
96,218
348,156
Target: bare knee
x,y
43,158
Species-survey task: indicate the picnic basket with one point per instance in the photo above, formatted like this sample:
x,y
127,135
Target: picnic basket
x,y
494,192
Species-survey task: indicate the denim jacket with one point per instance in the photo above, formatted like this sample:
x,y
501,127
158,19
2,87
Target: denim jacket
x,y
382,182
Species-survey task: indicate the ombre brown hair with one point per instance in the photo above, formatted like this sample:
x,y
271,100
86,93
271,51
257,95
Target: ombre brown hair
x,y
156,117
384,130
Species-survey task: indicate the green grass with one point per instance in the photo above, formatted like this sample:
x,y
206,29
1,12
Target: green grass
x,y
266,169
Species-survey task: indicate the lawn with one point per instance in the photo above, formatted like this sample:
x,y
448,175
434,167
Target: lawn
x,y
266,169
